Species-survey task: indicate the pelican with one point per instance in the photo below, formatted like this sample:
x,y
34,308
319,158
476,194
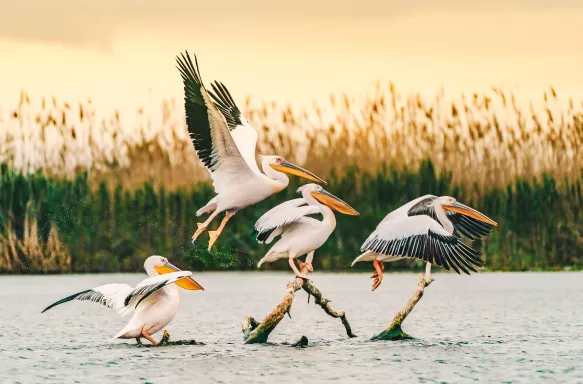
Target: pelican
x,y
427,228
299,233
152,303
225,144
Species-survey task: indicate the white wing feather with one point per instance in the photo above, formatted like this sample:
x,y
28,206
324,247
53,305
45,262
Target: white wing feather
x,y
122,298
110,295
402,211
273,222
245,137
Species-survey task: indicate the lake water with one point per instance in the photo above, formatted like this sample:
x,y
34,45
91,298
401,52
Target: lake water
x,y
489,327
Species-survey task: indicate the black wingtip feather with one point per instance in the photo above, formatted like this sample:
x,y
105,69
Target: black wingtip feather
x,y
263,236
197,110
224,102
66,299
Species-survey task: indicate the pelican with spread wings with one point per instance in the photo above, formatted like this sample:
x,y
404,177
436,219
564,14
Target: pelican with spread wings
x,y
429,229
152,303
225,144
300,234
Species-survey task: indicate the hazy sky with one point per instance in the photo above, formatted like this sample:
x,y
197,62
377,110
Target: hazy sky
x,y
296,51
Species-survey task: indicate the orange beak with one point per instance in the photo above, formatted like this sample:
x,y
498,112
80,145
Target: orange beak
x,y
334,203
186,282
467,211
293,169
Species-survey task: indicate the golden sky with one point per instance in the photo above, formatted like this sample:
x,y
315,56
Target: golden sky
x,y
294,52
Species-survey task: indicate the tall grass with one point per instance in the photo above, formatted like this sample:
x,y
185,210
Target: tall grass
x,y
78,193
97,230
486,139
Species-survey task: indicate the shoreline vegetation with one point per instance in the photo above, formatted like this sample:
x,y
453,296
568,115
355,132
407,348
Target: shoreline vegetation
x,y
79,194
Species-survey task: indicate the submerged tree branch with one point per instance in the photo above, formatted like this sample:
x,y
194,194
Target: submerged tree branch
x,y
255,332
324,303
394,331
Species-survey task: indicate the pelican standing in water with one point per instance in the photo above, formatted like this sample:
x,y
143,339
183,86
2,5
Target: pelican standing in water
x,y
427,228
152,303
299,233
225,144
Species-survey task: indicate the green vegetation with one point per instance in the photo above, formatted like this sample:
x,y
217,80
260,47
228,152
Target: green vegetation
x,y
80,192
51,225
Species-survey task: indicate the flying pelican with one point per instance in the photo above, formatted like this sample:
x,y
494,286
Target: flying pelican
x,y
427,228
153,302
299,233
225,144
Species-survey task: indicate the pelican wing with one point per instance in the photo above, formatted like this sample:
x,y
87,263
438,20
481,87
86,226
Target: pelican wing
x,y
110,295
423,206
151,285
274,221
419,206
209,130
244,135
422,238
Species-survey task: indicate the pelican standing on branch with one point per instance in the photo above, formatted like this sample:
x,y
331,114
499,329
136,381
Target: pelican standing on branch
x,y
153,302
299,233
225,144
429,229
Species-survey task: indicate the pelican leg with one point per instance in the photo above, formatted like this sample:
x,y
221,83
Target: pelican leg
x,y
378,274
150,338
202,226
308,263
214,235
428,278
138,340
292,264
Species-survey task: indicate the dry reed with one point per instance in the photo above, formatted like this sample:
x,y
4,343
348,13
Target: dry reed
x,y
484,139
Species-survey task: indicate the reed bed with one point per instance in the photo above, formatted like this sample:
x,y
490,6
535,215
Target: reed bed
x,y
485,139
540,222
87,194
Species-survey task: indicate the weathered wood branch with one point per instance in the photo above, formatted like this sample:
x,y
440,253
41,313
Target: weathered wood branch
x,y
255,332
394,331
324,303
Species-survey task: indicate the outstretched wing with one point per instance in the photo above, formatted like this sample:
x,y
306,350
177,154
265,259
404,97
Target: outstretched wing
x,y
110,295
243,134
274,221
209,131
151,285
422,238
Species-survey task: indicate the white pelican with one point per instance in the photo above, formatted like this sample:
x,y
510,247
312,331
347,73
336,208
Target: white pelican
x,y
427,228
300,234
153,302
225,144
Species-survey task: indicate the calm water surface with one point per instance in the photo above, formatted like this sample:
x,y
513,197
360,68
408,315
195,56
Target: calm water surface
x,y
488,327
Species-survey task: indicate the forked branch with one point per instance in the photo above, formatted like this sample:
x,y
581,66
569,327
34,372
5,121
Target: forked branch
x,y
255,332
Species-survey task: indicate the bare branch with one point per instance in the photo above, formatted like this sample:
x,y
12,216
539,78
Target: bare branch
x,y
253,332
394,331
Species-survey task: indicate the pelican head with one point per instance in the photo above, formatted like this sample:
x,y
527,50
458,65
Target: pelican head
x,y
328,199
159,265
448,203
282,165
